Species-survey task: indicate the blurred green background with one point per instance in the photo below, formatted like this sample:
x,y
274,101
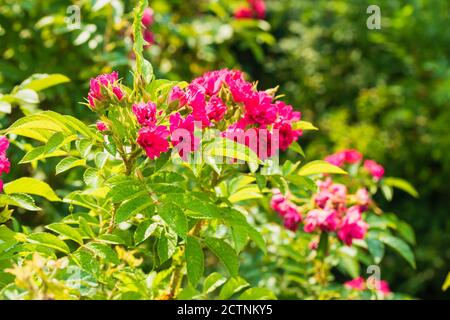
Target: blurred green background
x,y
384,92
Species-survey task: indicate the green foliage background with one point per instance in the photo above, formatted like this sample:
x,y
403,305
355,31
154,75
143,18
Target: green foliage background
x,y
384,92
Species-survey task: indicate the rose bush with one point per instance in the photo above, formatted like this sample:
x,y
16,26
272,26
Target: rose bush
x,y
178,176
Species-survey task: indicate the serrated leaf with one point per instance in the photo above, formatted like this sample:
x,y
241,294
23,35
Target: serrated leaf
x,y
174,217
31,186
166,246
48,240
319,167
225,253
133,207
103,251
194,260
69,163
21,200
66,231
144,231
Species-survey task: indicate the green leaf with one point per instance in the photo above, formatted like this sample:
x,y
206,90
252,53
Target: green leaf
x,y
48,240
27,96
69,163
45,81
21,200
446,284
125,190
376,249
304,125
401,184
400,246
54,142
406,231
257,294
66,231
167,244
31,186
174,217
233,286
297,148
223,147
103,251
143,67
194,260
213,281
144,231
319,166
133,207
225,253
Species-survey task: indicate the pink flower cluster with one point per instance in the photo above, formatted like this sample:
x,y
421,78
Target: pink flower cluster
x,y
259,114
147,21
5,165
255,9
101,84
333,215
286,209
331,212
359,284
351,157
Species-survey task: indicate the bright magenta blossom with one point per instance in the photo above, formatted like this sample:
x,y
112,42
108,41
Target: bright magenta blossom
x,y
215,109
5,165
153,140
101,126
358,284
147,18
182,134
346,156
256,9
104,81
353,226
325,220
145,113
375,169
286,209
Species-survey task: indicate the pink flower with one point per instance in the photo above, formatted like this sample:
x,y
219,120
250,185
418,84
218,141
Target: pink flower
x,y
383,287
145,113
292,219
256,9
362,197
259,108
178,94
286,209
4,144
243,13
337,159
149,38
346,156
153,140
326,220
104,81
5,165
358,284
375,169
182,134
314,244
101,126
1,185
353,226
352,156
147,18
259,8
215,109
